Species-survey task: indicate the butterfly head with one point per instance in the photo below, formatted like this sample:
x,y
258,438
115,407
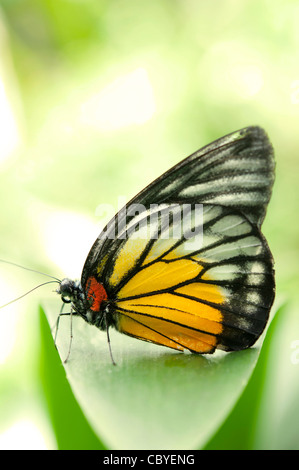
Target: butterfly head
x,y
69,290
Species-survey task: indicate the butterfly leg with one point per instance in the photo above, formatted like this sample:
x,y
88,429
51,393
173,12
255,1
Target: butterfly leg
x,y
57,324
71,336
71,330
106,323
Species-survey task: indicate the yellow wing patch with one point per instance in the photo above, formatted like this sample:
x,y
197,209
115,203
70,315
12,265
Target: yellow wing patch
x,y
164,304
170,335
160,276
126,258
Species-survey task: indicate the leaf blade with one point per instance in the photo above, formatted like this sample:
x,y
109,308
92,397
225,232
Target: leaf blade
x,y
154,398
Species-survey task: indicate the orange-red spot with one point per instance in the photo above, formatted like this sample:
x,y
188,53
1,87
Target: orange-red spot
x,y
95,293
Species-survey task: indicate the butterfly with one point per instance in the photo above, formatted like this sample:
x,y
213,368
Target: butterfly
x,y
211,286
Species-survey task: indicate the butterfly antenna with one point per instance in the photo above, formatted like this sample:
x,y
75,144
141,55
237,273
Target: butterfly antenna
x,y
26,293
29,269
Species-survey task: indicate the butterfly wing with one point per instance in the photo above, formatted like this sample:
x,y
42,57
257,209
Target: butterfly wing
x,y
195,293
235,171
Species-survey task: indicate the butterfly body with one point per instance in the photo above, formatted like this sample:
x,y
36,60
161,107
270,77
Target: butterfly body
x,y
184,264
90,304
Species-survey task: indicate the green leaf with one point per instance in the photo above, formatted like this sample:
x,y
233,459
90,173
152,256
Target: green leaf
x,y
69,424
154,398
277,416
240,429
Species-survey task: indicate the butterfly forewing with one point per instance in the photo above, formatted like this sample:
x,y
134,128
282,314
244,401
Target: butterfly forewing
x,y
212,287
235,171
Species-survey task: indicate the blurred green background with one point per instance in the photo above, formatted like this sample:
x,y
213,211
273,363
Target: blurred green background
x,y
97,98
